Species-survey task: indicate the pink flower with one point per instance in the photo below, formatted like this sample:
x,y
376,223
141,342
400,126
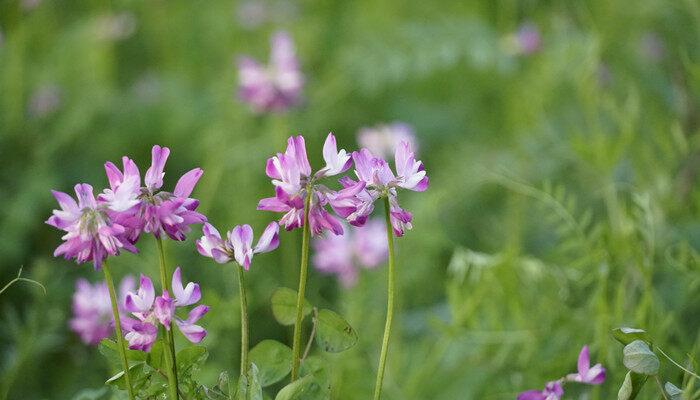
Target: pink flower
x,y
92,229
586,374
340,255
149,209
552,391
528,39
293,180
275,87
150,311
238,244
383,140
92,309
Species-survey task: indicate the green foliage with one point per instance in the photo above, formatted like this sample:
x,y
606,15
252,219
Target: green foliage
x,y
334,333
249,387
673,392
273,360
626,335
639,358
284,305
306,388
631,386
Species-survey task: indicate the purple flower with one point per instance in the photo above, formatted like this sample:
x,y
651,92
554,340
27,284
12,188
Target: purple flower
x,y
586,374
377,180
293,180
150,310
238,244
92,309
552,391
149,209
275,87
340,254
383,140
528,39
92,231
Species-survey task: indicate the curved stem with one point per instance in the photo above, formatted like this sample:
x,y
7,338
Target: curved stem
x,y
118,328
244,322
170,362
296,344
311,336
661,387
19,278
676,364
389,305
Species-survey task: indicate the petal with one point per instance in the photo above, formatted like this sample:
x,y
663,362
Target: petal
x,y
299,148
583,361
531,395
193,333
154,175
187,296
186,183
272,204
269,240
114,175
164,309
595,375
86,199
241,240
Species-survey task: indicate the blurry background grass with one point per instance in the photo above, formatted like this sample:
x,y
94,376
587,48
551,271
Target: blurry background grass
x,y
563,195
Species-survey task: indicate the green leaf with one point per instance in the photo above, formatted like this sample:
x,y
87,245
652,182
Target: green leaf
x,y
156,358
627,335
110,350
273,359
306,388
638,358
249,387
673,391
284,306
631,386
137,375
334,334
92,394
316,366
189,360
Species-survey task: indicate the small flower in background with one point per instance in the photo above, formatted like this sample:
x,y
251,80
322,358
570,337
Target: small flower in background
x,y
44,101
238,244
275,87
293,180
252,14
586,374
92,309
149,310
528,39
29,5
114,27
92,234
652,47
341,254
148,208
383,140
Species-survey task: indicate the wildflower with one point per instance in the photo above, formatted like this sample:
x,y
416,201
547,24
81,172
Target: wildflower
x,y
150,310
586,374
148,208
92,232
552,391
364,246
92,310
377,180
383,140
528,39
275,87
238,243
293,180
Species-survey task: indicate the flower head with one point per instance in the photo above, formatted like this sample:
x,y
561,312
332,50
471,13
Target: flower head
x,y
383,140
293,180
92,309
277,86
92,229
150,310
528,39
238,245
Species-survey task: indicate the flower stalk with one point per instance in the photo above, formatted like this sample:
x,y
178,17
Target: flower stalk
x,y
390,303
244,321
296,344
118,328
171,364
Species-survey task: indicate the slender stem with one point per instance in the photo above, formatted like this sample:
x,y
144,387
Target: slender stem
x,y
118,328
390,303
661,387
244,321
311,336
19,278
676,364
296,344
170,362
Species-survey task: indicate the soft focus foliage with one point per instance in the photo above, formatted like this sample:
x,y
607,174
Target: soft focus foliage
x,y
563,199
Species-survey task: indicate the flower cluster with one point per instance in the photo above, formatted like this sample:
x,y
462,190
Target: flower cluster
x,y
92,310
554,390
340,255
149,310
238,244
275,87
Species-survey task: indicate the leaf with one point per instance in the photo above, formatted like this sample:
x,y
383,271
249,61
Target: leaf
x,y
334,334
284,306
249,387
189,360
110,350
631,386
273,359
627,335
92,394
638,358
137,376
316,366
673,391
306,388
156,358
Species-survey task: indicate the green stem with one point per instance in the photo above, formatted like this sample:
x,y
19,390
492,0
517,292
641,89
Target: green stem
x,y
244,322
170,362
676,364
296,346
390,303
661,387
118,328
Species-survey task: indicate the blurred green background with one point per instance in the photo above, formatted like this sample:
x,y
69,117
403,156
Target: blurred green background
x,y
563,196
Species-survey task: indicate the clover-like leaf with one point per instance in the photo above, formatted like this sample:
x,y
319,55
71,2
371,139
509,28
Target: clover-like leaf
x,y
110,350
249,387
638,358
306,388
674,393
631,386
273,359
334,333
284,305
627,335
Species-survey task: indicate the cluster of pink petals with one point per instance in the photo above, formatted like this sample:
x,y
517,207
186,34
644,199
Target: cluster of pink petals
x,y
238,245
293,180
382,140
340,255
277,86
149,311
92,309
554,390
